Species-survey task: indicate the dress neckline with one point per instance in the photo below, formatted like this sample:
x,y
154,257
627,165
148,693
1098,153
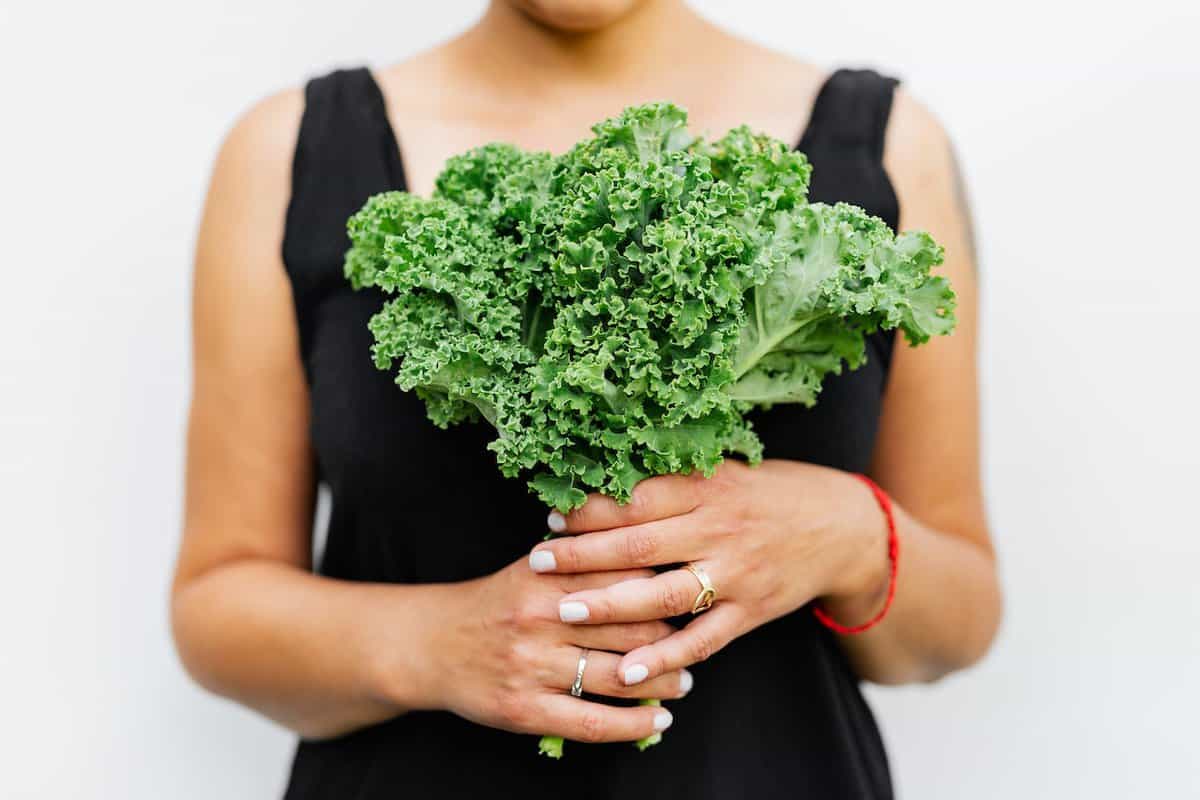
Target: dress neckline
x,y
394,157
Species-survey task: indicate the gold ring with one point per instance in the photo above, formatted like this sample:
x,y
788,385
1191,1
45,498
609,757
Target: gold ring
x,y
708,592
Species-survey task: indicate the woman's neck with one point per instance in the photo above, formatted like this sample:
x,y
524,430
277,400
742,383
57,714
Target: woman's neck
x,y
656,36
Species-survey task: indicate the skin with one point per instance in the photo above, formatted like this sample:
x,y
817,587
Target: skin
x,y
325,657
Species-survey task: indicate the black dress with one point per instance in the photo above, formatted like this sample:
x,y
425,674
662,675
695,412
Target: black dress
x,y
776,714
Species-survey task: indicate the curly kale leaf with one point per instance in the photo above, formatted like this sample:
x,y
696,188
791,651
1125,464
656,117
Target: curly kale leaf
x,y
836,274
614,311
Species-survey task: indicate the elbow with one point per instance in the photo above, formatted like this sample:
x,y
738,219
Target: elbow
x,y
189,637
980,634
210,627
206,642
989,615
220,647
968,640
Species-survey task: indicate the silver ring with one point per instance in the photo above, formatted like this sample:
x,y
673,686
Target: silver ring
x,y
577,686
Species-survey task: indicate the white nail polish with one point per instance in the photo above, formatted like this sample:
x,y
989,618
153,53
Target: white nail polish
x,y
556,522
542,561
572,612
636,674
686,681
663,720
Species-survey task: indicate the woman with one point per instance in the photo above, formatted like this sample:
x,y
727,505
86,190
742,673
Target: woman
x,y
431,633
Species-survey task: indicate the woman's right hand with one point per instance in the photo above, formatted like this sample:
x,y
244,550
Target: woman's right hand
x,y
499,655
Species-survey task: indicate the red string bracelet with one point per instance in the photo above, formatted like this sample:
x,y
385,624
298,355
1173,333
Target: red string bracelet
x,y
885,503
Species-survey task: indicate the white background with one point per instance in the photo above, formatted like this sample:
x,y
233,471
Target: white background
x,y
1078,129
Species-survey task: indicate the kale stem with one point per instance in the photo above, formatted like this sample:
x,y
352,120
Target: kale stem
x,y
744,363
612,395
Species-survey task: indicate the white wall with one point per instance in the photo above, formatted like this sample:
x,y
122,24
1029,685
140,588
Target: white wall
x,y
1078,128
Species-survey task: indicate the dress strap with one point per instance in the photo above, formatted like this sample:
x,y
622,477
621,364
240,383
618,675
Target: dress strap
x,y
845,140
852,110
345,152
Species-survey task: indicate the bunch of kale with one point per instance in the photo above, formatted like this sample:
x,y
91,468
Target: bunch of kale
x,y
615,310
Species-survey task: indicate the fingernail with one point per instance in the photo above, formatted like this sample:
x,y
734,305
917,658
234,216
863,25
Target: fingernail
x,y
663,720
572,612
685,681
542,561
556,522
636,674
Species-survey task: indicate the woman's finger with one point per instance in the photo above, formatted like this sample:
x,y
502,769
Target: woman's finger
x,y
599,580
654,498
542,600
584,721
619,638
600,676
648,544
667,595
699,639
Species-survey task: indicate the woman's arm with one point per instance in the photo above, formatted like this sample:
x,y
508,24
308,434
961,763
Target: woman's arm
x,y
927,451
777,536
250,621
323,656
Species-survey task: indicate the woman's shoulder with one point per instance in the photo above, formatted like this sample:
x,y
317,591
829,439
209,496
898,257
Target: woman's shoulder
x,y
915,135
258,146
242,223
920,159
923,165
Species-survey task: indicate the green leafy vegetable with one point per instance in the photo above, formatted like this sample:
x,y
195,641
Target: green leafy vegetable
x,y
614,311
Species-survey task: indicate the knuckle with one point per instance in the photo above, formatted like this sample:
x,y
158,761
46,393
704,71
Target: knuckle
x,y
588,515
640,547
500,619
727,526
702,647
745,512
671,599
644,498
591,727
637,502
520,657
732,470
527,613
723,480
513,710
566,555
602,607
730,521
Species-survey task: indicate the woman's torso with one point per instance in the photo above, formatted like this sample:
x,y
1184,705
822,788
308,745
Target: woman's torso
x,y
778,713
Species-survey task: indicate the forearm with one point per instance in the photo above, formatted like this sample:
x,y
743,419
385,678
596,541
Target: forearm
x,y
945,614
310,652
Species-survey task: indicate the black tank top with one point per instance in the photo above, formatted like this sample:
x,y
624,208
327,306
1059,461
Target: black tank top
x,y
776,714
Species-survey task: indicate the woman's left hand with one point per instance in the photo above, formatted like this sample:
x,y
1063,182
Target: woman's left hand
x,y
771,538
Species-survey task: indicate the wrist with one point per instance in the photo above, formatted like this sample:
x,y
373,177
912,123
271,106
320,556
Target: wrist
x,y
860,586
405,667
